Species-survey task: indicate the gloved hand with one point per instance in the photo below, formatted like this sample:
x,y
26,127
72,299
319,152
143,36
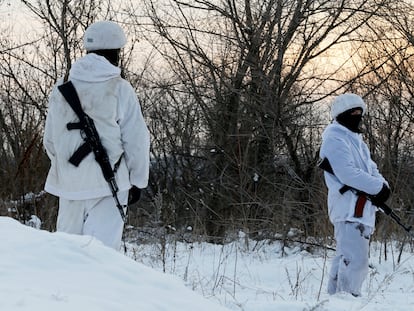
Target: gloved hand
x,y
134,195
381,197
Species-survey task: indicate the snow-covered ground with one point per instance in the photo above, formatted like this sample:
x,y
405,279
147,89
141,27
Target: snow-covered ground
x,y
42,271
54,271
263,276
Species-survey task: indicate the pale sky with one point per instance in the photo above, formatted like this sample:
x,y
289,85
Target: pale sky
x,y
15,16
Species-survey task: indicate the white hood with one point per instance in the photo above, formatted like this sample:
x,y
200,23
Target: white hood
x,y
93,68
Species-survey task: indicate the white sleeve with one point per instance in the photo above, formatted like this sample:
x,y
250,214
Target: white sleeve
x,y
135,137
48,133
342,162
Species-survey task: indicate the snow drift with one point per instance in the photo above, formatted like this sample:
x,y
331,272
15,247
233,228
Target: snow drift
x,y
42,271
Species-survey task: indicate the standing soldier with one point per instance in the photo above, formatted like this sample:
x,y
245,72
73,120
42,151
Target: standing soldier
x,y
86,205
352,215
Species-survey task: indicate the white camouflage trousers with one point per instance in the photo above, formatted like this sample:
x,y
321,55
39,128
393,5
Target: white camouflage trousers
x,y
99,218
350,265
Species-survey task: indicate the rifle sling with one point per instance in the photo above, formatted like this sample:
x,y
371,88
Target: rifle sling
x,y
69,93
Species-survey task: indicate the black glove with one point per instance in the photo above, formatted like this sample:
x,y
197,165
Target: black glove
x,y
381,197
134,195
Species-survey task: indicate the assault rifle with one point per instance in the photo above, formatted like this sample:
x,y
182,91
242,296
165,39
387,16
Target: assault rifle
x,y
326,166
92,141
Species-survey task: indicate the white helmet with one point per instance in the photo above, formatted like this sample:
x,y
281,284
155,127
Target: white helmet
x,y
104,35
345,102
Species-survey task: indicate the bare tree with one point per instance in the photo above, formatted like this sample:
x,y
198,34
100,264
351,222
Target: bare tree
x,y
28,70
235,95
385,75
253,69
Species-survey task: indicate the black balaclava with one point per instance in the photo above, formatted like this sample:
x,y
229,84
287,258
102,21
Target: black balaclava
x,y
111,55
350,121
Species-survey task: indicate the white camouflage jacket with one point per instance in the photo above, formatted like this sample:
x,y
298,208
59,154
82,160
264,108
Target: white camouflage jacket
x,y
351,162
113,105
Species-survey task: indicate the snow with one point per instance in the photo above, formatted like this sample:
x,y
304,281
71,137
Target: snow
x,y
54,271
263,276
41,271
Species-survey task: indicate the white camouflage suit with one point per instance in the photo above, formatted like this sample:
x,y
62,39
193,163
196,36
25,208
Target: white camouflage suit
x,y
86,205
351,162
